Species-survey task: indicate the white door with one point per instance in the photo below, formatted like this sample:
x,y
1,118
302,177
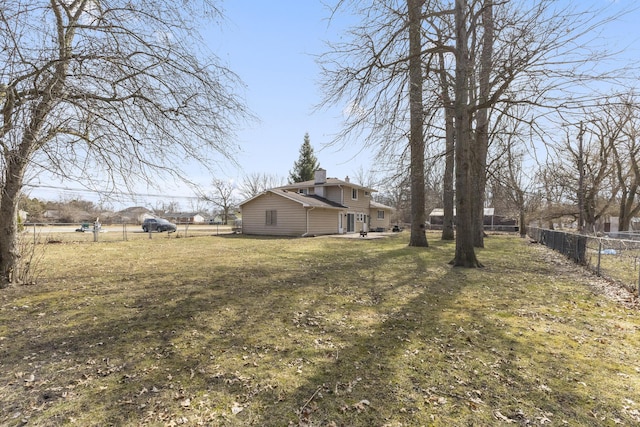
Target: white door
x,y
340,223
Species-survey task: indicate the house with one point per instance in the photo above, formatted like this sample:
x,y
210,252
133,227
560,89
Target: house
x,y
185,217
491,220
133,215
231,218
316,207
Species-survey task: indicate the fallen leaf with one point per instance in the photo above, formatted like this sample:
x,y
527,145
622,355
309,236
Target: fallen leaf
x,y
236,408
501,417
362,405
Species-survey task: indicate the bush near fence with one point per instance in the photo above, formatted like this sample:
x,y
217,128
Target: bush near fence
x,y
609,257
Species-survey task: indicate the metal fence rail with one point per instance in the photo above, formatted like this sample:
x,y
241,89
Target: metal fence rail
x,y
75,232
573,246
613,258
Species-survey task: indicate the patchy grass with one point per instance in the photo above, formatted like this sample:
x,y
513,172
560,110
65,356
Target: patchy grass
x,y
237,331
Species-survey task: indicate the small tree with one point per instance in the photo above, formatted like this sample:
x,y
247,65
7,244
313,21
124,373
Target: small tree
x,y
307,164
222,197
256,183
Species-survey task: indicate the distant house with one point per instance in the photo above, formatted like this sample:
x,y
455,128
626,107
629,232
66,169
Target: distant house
x,y
491,220
185,217
52,215
133,215
231,219
316,207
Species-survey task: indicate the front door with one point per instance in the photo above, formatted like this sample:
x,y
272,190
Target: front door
x,y
351,223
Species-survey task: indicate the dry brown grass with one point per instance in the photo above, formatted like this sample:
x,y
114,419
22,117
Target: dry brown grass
x,y
237,331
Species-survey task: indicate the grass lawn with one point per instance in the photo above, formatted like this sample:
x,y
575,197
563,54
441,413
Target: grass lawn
x,y
245,331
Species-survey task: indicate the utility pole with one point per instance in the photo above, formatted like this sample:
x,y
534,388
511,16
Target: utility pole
x,y
581,180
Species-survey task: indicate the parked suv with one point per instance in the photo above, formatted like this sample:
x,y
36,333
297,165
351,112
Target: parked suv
x,y
158,224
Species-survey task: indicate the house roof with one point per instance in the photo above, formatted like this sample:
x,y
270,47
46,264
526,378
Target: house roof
x,y
134,209
184,214
330,182
306,200
377,205
440,212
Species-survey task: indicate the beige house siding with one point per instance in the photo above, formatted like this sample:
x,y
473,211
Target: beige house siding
x,y
323,221
334,194
359,205
291,218
380,223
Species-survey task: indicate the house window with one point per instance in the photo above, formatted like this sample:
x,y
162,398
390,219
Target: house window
x,y
271,218
380,214
366,194
354,193
302,191
360,217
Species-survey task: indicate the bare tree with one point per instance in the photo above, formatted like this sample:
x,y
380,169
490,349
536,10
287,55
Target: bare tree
x,y
378,71
448,196
395,192
223,197
109,93
465,255
416,125
622,118
256,183
367,178
583,173
518,189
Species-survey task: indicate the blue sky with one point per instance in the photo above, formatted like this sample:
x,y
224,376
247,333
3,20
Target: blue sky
x,y
272,46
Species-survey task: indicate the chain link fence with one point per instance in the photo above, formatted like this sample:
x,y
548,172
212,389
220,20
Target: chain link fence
x,y
87,232
611,257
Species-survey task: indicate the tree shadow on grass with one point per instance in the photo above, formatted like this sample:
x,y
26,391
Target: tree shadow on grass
x,y
378,337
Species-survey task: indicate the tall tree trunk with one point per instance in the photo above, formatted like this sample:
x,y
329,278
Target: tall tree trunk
x,y
481,146
416,138
9,250
465,253
523,223
448,181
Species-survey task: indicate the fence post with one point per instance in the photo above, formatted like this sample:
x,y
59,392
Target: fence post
x,y
599,255
96,229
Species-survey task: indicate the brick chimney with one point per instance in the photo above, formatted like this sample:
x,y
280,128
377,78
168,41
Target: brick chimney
x,y
320,176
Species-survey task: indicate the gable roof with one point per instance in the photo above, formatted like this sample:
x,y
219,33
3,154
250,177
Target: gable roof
x,y
377,205
330,182
306,200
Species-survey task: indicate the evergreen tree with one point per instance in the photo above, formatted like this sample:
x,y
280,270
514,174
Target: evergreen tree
x,y
304,169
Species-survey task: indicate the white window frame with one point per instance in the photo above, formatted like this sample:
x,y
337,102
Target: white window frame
x,y
380,214
354,192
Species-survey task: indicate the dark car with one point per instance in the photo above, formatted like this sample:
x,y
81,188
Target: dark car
x,y
158,224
